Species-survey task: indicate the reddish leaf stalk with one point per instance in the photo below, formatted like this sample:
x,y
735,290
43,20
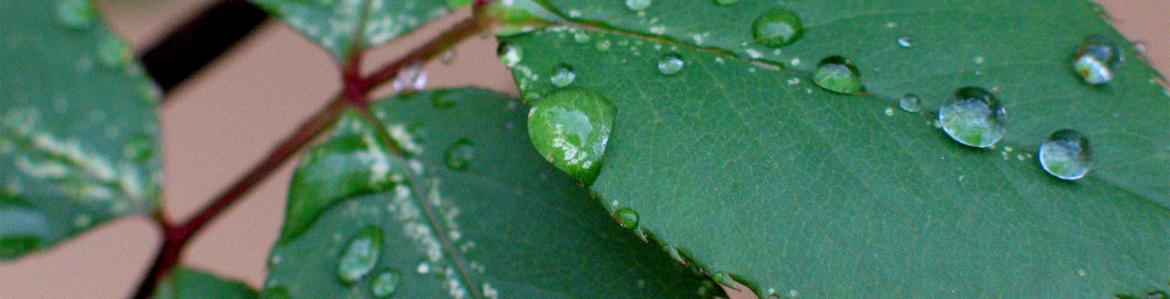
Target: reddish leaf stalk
x,y
355,93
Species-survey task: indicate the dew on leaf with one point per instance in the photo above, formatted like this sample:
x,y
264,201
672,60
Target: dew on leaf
x,y
413,77
509,54
777,28
910,103
627,217
602,45
638,5
385,284
670,64
563,75
113,52
360,255
570,128
76,14
581,37
1066,155
1095,59
837,74
904,42
974,117
460,154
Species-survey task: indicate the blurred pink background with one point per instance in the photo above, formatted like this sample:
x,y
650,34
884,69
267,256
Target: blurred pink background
x,y
227,118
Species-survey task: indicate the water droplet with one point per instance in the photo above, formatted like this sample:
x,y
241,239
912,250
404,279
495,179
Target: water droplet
x,y
510,54
581,37
460,154
627,217
360,255
413,77
974,117
385,284
112,52
602,45
724,279
1066,155
562,76
570,128
904,42
77,14
837,74
638,5
725,2
670,64
1096,58
777,28
910,103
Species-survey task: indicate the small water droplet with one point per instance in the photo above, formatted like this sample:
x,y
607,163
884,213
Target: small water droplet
x,y
563,75
904,42
837,74
581,37
670,64
413,77
974,117
77,14
725,2
1066,155
113,52
509,54
385,284
1095,59
627,217
638,5
360,255
460,154
777,28
570,128
910,103
602,45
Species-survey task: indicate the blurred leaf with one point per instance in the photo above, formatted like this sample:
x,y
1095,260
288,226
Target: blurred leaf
x,y
78,129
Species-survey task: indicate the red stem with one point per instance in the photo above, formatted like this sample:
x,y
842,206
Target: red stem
x,y
424,52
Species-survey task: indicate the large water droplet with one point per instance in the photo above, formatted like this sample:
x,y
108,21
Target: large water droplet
x,y
974,117
1096,58
910,103
1066,155
570,128
725,2
638,5
76,14
510,54
777,28
113,52
837,74
563,75
627,217
360,255
386,284
460,154
670,64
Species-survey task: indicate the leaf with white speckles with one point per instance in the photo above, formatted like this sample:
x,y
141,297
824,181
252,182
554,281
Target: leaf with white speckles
x,y
334,23
831,195
478,214
78,129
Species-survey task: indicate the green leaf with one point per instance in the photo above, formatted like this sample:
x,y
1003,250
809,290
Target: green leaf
x,y
477,214
188,283
334,24
832,195
78,129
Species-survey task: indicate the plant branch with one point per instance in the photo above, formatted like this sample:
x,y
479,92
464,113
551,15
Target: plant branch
x,y
176,237
201,39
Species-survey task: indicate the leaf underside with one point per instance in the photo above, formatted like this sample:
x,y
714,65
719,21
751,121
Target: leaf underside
x,y
189,283
744,166
78,130
334,24
490,219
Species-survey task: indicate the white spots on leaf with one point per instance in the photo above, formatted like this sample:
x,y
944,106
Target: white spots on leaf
x,y
490,292
404,139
